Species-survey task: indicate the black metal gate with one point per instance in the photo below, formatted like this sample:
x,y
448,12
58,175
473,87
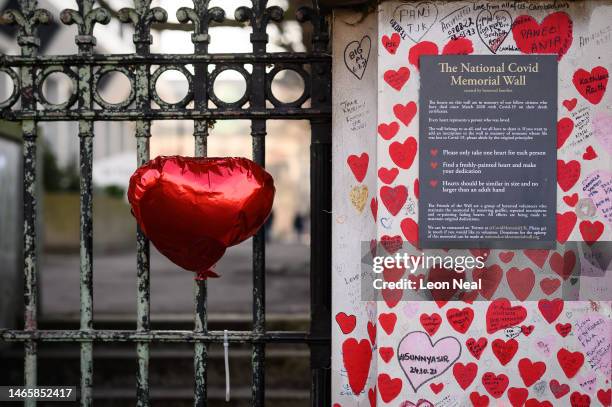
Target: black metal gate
x,y
28,105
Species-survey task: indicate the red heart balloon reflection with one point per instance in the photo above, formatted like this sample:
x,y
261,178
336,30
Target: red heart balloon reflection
x,y
192,209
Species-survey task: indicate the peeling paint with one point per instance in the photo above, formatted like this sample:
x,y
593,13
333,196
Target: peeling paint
x,y
85,105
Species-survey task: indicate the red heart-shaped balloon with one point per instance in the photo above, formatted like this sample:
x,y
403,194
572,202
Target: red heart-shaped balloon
x,y
192,209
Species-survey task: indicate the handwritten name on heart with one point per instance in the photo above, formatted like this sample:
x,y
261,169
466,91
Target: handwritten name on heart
x,y
501,314
591,85
422,360
357,55
553,36
493,28
597,186
594,333
416,19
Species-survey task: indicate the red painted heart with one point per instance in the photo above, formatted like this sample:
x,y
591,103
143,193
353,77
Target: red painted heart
x,y
403,154
504,351
605,397
346,322
357,357
589,154
391,244
565,224
387,322
521,282
530,371
591,85
558,390
476,347
410,230
501,314
517,396
580,400
563,265
537,403
465,374
565,126
393,198
494,384
591,231
549,285
570,104
479,400
571,200
458,46
553,36
430,323
388,131
537,256
436,387
563,329
391,43
567,174
386,353
550,310
570,362
422,48
387,175
371,328
388,387
489,278
460,319
405,113
358,165
397,79
506,257
374,209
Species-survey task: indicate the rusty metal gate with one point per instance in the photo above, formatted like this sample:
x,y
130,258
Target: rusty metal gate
x,y
28,106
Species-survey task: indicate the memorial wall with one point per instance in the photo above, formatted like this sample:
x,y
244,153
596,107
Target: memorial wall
x,y
472,131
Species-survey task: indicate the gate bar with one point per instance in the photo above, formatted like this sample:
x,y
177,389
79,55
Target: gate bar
x,y
29,43
163,59
320,213
201,16
143,296
200,359
85,43
142,40
258,18
102,335
30,267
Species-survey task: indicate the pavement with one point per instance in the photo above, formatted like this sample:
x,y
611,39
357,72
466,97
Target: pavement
x,y
172,288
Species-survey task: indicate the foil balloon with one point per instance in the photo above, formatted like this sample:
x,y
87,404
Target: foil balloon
x,y
192,209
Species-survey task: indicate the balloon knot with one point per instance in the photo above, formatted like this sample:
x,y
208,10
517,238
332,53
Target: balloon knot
x,y
204,274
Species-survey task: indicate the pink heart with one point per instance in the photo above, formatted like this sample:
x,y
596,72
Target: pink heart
x,y
602,128
594,333
420,403
422,360
587,382
410,309
596,185
545,345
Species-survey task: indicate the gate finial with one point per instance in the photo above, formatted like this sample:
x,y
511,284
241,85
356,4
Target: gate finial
x,y
201,16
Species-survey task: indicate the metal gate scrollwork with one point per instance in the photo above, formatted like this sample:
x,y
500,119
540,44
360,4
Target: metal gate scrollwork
x,y
28,105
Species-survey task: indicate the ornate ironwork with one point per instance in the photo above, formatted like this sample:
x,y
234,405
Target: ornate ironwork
x,y
27,104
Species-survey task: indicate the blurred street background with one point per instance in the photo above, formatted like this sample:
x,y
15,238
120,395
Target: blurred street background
x,y
172,306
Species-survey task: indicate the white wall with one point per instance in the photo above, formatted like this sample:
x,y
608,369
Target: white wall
x,y
353,359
